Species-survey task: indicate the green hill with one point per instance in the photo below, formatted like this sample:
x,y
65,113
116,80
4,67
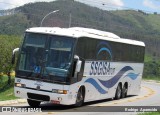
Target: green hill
x,y
125,23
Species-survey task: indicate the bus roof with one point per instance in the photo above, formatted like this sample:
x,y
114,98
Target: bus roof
x,y
77,32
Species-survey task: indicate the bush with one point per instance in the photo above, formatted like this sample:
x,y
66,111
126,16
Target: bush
x,y
152,69
7,44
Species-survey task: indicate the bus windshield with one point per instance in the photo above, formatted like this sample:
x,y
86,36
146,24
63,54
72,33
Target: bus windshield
x,y
59,56
46,55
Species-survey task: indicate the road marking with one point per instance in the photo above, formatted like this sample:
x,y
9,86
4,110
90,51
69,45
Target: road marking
x,y
46,113
51,112
41,113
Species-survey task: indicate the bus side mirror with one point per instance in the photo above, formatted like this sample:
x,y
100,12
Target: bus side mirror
x,y
13,55
78,64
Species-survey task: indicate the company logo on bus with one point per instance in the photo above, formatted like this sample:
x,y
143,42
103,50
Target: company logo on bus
x,y
101,68
104,51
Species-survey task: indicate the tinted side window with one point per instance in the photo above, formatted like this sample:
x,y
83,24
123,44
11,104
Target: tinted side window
x,y
96,49
90,48
80,48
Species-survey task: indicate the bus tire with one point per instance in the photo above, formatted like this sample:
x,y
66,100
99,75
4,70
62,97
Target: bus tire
x,y
124,91
33,103
118,92
80,98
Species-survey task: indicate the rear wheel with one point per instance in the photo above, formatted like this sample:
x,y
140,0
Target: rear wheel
x,y
33,103
118,92
80,98
124,91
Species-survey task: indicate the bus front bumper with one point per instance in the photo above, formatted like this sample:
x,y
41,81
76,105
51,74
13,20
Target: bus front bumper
x,y
64,99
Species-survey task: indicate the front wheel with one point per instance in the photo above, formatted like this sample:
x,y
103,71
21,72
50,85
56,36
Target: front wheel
x,y
33,103
118,92
80,98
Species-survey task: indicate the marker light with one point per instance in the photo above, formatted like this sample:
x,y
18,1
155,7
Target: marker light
x,y
59,91
19,85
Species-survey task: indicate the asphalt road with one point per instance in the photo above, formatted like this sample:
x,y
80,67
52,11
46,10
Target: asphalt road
x,y
148,97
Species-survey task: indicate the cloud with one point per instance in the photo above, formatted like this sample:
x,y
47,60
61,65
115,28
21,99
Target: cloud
x,y
108,2
114,2
104,4
151,4
7,4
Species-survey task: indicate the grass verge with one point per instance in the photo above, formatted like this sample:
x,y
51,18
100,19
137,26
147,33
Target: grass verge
x,y
6,91
150,113
157,79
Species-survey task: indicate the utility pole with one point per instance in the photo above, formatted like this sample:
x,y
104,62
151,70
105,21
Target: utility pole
x,y
70,14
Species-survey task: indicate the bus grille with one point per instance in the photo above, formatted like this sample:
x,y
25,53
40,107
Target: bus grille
x,y
38,97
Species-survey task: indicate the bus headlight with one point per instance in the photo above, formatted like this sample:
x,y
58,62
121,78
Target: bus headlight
x,y
20,85
59,91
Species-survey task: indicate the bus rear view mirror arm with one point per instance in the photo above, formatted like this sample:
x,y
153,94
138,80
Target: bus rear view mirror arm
x,y
76,57
13,55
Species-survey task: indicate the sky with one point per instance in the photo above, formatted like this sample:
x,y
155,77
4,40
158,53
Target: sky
x,y
149,6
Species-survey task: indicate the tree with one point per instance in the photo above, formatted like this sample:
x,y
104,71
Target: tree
x,y
7,44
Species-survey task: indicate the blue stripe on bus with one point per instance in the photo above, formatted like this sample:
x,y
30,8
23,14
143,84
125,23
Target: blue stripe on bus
x,y
111,82
96,85
133,76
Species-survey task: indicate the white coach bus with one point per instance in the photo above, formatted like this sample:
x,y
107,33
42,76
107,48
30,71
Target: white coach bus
x,y
76,65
